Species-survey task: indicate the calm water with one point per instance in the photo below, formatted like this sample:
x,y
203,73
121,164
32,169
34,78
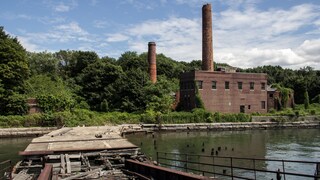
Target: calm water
x,y
10,147
293,144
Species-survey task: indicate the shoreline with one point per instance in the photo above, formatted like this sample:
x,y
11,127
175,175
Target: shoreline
x,y
149,128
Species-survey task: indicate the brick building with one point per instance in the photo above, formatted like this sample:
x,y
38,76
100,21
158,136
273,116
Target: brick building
x,y
224,92
275,95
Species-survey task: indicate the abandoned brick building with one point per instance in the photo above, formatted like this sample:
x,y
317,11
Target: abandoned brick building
x,y
225,90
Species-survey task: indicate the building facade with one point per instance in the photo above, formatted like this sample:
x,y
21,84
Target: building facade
x,y
274,99
224,91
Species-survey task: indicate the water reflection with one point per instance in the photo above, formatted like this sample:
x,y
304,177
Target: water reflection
x,y
10,147
293,144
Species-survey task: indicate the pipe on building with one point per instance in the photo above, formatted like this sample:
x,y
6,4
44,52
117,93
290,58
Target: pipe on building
x,y
152,61
207,49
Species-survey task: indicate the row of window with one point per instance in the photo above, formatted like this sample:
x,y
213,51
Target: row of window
x,y
227,85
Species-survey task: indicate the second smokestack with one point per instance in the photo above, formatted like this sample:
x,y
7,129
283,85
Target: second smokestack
x,y
207,49
152,61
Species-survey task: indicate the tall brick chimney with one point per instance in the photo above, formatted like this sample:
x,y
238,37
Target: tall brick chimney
x,y
207,50
152,61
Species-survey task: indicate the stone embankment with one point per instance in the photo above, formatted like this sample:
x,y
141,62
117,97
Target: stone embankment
x,y
259,122
230,126
25,132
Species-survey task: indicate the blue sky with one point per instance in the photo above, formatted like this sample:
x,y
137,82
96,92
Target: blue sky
x,y
246,33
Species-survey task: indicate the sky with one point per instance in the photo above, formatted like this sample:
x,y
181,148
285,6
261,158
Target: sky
x,y
246,33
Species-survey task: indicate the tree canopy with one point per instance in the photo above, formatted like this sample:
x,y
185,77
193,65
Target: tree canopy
x,y
14,71
109,84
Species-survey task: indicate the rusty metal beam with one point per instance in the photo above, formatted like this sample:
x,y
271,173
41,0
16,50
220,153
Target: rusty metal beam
x,y
46,173
34,153
157,172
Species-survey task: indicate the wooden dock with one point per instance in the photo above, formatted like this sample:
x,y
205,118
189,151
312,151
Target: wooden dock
x,y
89,153
78,139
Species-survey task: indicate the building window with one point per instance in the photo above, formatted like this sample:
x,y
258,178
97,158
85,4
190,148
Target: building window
x,y
251,85
263,86
242,109
249,106
263,105
226,85
239,85
214,85
270,95
199,84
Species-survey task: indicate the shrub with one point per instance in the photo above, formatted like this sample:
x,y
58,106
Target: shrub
x,y
272,111
217,117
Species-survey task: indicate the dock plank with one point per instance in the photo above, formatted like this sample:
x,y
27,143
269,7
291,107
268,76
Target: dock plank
x,y
68,164
67,140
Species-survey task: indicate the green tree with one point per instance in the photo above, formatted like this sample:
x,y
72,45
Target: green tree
x,y
71,63
99,82
306,100
160,96
13,73
43,63
13,63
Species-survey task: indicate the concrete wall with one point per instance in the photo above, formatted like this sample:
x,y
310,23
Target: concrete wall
x,y
284,118
231,126
25,132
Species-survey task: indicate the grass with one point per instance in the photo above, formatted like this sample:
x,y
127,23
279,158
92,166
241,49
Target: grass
x,y
80,117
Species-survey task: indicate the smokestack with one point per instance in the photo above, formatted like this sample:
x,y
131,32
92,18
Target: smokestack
x,y
152,61
207,50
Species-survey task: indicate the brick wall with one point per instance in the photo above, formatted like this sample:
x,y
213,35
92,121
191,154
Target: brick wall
x,y
222,99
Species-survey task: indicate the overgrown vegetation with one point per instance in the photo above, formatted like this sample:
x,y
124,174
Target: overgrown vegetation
x,y
80,88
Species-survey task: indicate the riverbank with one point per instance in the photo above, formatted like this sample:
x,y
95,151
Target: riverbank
x,y
146,128
229,126
25,132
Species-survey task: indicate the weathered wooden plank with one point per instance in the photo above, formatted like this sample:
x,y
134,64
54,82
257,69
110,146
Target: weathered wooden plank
x,y
71,156
82,174
62,164
68,164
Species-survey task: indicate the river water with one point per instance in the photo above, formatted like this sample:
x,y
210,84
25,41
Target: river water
x,y
289,144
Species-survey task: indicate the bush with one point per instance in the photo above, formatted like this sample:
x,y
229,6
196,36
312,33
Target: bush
x,y
272,111
51,103
240,117
14,104
148,117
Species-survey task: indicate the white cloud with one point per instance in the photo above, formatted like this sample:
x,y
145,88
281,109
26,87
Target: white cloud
x,y
241,38
100,23
139,5
12,16
62,8
65,33
28,45
51,20
72,27
310,49
178,38
116,37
